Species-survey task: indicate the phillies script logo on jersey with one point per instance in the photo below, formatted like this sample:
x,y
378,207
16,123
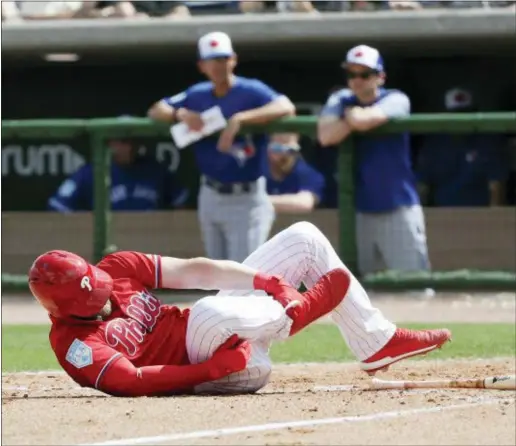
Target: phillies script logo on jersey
x,y
125,335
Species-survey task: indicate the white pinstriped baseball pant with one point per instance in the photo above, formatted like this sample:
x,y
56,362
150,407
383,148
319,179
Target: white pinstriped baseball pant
x,y
300,254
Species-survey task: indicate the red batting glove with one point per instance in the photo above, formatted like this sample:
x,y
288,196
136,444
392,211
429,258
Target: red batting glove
x,y
277,287
267,283
230,357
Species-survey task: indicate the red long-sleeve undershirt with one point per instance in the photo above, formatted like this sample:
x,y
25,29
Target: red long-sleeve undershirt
x,y
122,378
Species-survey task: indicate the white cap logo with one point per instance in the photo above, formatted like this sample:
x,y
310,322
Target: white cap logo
x,y
85,283
215,44
457,98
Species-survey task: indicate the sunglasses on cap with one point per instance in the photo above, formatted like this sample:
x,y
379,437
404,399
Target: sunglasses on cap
x,y
362,74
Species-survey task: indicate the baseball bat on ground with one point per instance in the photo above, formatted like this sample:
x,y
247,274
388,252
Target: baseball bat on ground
x,y
502,382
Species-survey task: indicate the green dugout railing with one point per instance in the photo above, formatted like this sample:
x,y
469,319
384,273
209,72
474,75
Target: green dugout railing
x,y
100,130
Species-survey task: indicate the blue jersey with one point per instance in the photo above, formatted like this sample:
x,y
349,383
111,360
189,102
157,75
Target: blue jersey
x,y
459,168
145,185
303,177
248,158
385,180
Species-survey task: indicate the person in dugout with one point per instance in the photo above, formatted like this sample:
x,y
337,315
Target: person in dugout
x,y
292,184
138,183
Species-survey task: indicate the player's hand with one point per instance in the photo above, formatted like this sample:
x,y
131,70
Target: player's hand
x,y
191,119
230,357
267,283
279,288
228,135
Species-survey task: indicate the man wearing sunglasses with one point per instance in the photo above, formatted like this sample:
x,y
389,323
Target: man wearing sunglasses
x,y
294,186
390,222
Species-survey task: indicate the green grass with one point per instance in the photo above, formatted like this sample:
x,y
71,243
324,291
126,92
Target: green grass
x,y
320,343
26,347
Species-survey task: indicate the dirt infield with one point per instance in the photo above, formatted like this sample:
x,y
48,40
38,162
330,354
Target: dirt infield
x,y
303,405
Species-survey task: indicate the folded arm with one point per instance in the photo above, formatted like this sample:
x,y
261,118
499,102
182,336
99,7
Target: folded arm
x,y
162,112
332,130
278,108
302,202
331,126
363,119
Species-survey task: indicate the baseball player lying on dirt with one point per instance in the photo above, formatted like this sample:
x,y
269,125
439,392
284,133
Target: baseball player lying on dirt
x,y
110,333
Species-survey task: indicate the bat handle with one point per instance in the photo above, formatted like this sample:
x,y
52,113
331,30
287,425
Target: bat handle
x,y
383,384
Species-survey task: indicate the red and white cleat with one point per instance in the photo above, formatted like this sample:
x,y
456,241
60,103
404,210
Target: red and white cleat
x,y
321,299
405,344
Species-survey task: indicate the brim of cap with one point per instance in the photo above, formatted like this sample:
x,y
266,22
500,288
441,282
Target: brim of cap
x,y
217,55
345,64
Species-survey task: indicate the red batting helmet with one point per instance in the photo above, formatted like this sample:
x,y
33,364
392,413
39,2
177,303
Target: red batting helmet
x,y
66,285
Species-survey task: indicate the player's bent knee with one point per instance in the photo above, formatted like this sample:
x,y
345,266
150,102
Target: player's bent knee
x,y
303,228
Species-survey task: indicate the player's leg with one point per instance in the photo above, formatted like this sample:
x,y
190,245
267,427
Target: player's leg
x,y
301,253
258,319
403,240
248,225
368,261
209,221
374,340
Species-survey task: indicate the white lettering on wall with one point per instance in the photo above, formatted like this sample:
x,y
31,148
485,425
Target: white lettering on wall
x,y
174,157
44,159
62,160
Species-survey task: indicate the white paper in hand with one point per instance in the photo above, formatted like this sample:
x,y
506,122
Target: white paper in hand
x,y
214,121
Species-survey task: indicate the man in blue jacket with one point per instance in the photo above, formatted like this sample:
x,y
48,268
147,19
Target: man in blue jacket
x,y
235,212
137,184
390,222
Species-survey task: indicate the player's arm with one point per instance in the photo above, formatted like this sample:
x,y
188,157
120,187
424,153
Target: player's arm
x,y
73,192
175,108
302,202
94,364
270,105
169,109
331,127
124,379
155,271
306,200
206,274
362,119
